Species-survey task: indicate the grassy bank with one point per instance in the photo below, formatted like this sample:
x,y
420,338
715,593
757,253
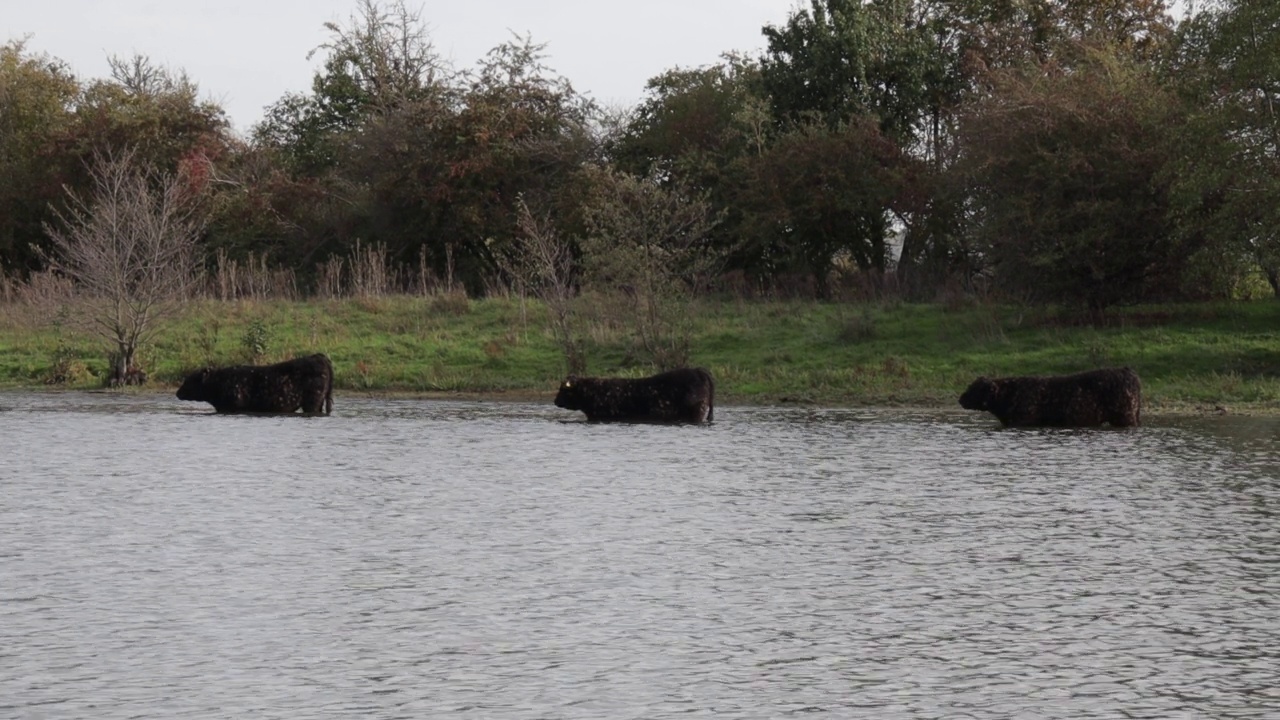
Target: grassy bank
x,y
1189,356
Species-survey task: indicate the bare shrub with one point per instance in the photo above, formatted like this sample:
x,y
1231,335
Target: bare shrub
x,y
651,243
540,262
130,246
67,368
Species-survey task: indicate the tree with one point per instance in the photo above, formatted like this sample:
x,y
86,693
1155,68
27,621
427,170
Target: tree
x,y
1139,29
1228,185
819,193
381,59
396,149
328,160
152,109
845,58
699,129
910,65
444,173
693,122
985,36
650,243
878,69
130,245
1067,181
37,94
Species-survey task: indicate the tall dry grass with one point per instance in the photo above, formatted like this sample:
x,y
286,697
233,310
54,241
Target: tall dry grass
x,y
251,279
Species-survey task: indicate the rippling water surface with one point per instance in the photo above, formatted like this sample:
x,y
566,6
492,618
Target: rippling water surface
x,y
412,558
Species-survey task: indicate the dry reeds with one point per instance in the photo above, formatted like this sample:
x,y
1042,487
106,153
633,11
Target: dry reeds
x,y
368,271
250,279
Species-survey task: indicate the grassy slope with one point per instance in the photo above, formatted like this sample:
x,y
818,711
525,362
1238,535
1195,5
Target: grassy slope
x,y
762,352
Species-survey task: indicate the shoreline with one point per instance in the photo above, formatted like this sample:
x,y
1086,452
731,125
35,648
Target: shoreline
x,y
1200,359
1157,409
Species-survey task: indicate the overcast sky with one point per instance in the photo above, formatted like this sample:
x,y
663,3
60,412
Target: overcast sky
x,y
246,54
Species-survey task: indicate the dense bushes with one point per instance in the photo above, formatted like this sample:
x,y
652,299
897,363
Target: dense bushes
x,y
928,148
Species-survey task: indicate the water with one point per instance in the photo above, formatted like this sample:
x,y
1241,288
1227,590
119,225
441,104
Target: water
x,y
412,559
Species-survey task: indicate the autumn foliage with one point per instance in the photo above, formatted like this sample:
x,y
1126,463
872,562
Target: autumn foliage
x,y
1040,151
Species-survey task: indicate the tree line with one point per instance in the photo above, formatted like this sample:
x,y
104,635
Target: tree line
x,y
1082,152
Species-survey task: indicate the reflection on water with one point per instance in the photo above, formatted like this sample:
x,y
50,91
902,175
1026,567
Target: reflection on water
x,y
413,559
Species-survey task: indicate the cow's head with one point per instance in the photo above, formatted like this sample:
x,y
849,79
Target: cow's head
x,y
192,387
979,395
570,395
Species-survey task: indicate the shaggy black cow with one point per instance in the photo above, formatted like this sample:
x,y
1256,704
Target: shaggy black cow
x,y
684,395
305,382
1110,395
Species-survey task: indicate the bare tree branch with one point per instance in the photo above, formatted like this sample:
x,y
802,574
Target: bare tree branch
x,y
541,263
131,247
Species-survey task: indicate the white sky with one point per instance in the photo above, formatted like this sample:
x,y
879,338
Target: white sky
x,y
246,54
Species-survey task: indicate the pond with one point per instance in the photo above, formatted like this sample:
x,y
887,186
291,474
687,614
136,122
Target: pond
x,y
418,558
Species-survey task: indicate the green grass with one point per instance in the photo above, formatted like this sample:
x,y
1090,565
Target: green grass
x,y
769,352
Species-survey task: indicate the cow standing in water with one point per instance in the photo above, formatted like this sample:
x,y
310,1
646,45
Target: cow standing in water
x,y
1095,397
686,395
304,383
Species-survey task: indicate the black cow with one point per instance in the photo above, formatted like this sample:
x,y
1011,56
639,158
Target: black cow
x,y
1110,395
684,395
305,382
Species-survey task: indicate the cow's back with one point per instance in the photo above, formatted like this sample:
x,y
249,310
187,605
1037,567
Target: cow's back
x,y
1090,398
682,395
301,383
